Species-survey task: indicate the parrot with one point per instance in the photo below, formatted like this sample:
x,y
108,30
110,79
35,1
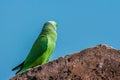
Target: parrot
x,y
42,49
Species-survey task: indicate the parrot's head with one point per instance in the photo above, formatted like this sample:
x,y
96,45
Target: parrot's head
x,y
51,24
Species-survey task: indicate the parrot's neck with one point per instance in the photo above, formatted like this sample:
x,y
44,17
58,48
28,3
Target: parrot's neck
x,y
49,32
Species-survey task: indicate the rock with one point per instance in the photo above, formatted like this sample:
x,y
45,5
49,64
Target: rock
x,y
97,63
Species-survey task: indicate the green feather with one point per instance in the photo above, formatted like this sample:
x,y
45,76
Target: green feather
x,y
42,48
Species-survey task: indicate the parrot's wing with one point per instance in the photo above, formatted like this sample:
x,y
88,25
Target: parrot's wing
x,y
39,47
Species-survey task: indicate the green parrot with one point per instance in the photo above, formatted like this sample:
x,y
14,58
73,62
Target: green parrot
x,y
42,48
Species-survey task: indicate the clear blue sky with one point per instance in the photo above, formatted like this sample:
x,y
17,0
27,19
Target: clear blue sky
x,y
82,24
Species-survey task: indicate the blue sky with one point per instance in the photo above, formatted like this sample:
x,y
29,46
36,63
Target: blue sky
x,y
82,24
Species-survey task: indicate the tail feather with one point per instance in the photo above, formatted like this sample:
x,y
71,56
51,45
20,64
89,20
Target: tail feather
x,y
21,70
18,72
17,67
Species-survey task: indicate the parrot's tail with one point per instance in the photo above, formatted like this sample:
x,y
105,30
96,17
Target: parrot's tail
x,y
17,67
18,71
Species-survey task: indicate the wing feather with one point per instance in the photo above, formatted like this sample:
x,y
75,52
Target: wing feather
x,y
39,47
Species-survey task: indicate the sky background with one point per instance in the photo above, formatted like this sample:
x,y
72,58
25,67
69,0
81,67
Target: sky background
x,y
81,24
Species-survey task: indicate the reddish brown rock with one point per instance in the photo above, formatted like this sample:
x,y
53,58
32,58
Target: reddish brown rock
x,y
96,63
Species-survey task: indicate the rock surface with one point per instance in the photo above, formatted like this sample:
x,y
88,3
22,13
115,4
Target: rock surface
x,y
97,63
